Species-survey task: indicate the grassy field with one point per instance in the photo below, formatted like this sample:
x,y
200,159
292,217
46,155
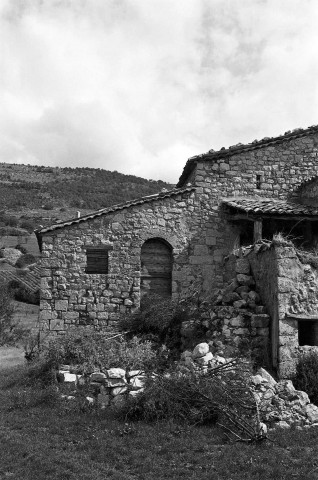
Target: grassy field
x,y
45,438
10,357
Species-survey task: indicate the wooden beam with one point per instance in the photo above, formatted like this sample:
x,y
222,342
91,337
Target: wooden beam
x,y
252,218
258,229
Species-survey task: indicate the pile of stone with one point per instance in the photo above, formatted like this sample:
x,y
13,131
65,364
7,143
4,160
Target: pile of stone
x,y
280,404
104,388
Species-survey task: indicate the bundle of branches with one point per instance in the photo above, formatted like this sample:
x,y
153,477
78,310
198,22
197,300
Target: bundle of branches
x,y
221,395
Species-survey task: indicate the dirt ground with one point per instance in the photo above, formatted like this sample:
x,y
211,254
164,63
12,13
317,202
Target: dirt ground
x,y
11,356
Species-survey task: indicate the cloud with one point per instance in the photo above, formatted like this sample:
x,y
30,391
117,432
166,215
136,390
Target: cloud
x,y
140,86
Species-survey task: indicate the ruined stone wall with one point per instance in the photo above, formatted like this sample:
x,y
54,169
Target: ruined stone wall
x,y
264,269
288,286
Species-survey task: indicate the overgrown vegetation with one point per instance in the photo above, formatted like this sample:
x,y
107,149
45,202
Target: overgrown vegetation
x,y
221,394
10,331
160,320
306,376
88,349
23,294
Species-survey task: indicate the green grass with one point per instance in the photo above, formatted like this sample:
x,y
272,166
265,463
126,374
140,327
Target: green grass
x,y
44,439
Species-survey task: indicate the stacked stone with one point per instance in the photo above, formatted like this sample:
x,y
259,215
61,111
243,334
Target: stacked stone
x,y
239,313
280,404
106,388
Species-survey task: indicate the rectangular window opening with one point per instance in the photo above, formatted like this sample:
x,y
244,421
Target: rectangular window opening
x,y
258,182
97,260
308,332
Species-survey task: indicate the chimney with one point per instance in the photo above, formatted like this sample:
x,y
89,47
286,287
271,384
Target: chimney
x,y
78,214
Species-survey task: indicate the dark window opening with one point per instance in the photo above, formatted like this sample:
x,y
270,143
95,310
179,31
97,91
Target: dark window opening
x,y
97,260
308,332
258,182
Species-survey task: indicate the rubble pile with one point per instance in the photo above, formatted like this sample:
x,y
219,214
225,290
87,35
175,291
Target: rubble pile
x,y
236,314
279,403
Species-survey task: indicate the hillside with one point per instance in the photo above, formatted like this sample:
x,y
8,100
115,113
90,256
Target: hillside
x,y
40,195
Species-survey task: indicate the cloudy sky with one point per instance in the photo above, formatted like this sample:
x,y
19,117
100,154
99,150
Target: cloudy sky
x,y
139,86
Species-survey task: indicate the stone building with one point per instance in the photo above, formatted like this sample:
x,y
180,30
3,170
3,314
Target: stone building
x,y
100,265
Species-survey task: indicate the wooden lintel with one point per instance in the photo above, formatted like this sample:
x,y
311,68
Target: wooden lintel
x,y
252,218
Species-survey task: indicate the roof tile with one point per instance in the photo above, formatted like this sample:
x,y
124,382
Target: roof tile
x,y
270,206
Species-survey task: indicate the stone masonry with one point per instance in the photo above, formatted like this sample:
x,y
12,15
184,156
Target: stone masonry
x,y
190,218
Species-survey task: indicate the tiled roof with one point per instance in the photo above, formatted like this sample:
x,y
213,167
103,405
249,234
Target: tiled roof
x,y
114,208
267,206
211,155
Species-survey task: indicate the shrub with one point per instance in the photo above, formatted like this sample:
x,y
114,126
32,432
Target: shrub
x,y
21,248
221,394
306,376
28,225
88,349
48,206
22,294
159,319
25,260
10,332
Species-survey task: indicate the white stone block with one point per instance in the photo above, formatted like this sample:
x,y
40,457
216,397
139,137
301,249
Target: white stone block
x,y
200,350
116,373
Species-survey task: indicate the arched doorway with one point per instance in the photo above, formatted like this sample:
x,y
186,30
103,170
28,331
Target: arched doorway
x,y
156,268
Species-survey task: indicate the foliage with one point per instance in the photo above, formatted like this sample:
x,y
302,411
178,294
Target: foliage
x,y
10,331
82,187
306,376
23,294
90,348
282,240
159,319
25,260
29,225
220,394
21,248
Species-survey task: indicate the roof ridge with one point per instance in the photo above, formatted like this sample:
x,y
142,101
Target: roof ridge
x,y
240,147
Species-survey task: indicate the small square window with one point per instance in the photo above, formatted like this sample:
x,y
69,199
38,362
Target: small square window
x,y
97,260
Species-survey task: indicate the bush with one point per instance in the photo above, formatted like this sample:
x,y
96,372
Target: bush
x,y
28,225
48,206
10,332
160,319
22,294
306,376
21,248
88,349
221,394
25,260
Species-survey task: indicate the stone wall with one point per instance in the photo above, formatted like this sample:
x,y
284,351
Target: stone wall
x,y
194,224
71,297
282,168
288,285
264,268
